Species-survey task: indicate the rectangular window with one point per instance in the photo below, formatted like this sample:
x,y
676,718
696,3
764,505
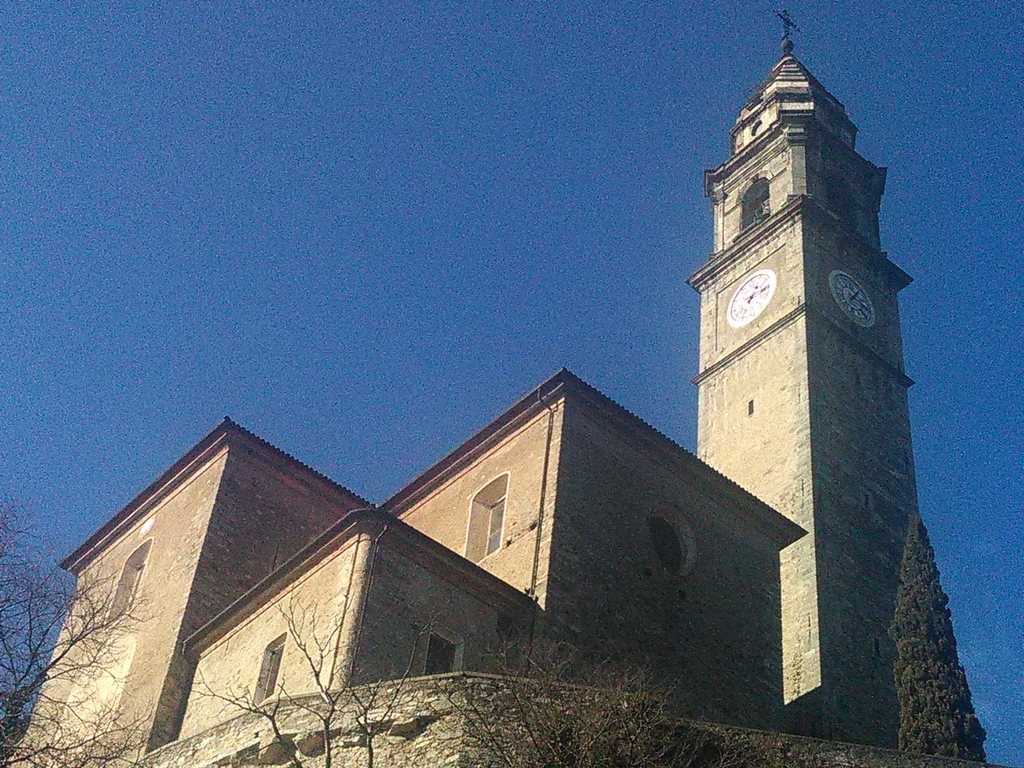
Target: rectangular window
x,y
440,656
750,408
266,683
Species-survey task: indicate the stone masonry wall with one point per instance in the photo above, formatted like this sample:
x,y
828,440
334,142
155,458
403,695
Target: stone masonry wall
x,y
766,449
363,613
712,629
176,526
407,600
422,726
316,604
443,514
267,508
865,486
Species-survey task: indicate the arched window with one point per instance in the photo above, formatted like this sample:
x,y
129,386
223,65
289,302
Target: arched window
x,y
755,204
486,518
266,683
131,574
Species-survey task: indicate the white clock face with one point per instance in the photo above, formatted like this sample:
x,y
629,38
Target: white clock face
x,y
751,298
852,298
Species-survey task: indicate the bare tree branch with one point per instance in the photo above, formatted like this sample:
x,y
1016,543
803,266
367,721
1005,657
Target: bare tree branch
x,y
332,700
537,715
60,644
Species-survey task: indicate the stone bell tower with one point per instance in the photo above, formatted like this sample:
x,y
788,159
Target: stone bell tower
x,y
802,398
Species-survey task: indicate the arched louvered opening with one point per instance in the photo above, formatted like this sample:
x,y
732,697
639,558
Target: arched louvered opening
x,y
755,204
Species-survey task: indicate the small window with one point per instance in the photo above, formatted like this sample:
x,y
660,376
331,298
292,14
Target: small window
x,y
128,584
755,204
440,655
486,520
750,408
666,544
266,683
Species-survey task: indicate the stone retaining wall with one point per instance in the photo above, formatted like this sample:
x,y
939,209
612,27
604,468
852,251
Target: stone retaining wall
x,y
422,725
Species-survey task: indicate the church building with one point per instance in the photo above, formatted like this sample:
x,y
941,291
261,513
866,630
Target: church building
x,y
757,576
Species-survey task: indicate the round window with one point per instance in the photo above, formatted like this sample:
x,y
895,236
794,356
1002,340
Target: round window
x,y
673,543
666,544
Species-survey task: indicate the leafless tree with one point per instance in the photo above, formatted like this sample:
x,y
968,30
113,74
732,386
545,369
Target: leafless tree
x,y
537,715
339,708
60,643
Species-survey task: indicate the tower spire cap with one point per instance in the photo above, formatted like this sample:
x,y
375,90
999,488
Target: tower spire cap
x,y
789,95
788,25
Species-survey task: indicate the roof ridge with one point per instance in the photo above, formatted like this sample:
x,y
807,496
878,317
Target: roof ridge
x,y
139,500
562,377
326,544
673,445
664,436
228,423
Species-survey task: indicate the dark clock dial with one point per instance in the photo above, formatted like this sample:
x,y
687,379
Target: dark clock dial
x,y
852,298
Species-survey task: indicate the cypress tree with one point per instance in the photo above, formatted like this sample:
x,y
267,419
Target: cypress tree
x,y
936,713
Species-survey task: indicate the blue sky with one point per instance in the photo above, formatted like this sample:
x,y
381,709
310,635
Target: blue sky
x,y
363,232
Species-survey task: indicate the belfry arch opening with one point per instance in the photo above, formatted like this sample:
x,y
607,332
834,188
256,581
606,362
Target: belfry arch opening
x,y
755,205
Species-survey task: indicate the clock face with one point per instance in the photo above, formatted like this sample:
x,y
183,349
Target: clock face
x,y
751,298
852,298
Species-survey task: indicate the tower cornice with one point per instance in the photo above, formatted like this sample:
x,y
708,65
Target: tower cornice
x,y
874,257
815,316
719,365
754,236
796,129
748,239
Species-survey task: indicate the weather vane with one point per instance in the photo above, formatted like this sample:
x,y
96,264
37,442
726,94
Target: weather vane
x,y
787,25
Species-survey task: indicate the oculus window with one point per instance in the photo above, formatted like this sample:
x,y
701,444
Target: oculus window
x,y
666,544
673,544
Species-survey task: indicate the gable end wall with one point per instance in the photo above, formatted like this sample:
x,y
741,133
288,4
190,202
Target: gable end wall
x,y
716,629
265,511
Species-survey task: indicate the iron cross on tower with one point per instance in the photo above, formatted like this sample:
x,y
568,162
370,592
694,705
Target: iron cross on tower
x,y
787,25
